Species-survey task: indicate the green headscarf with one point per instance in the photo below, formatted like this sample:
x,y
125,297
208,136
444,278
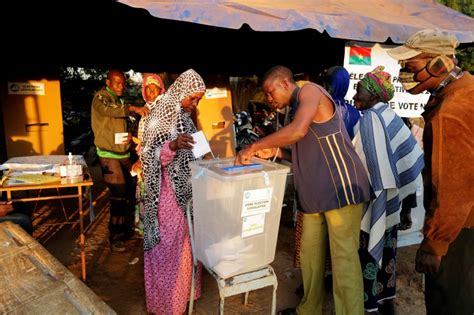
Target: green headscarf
x,y
378,82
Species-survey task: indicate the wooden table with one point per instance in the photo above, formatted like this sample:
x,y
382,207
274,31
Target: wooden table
x,y
32,281
81,186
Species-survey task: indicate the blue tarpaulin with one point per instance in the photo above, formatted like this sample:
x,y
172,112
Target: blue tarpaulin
x,y
374,21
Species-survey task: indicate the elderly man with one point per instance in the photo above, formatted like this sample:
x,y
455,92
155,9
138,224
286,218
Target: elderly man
x,y
446,253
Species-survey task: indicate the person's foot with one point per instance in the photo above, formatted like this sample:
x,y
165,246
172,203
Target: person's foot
x,y
288,311
387,308
118,246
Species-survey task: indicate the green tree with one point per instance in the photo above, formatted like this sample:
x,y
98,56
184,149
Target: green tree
x,y
464,55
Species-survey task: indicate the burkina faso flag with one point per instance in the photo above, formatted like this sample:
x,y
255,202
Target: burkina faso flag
x,y
360,56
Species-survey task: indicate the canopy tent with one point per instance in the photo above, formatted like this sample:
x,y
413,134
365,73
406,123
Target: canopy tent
x,y
374,21
241,37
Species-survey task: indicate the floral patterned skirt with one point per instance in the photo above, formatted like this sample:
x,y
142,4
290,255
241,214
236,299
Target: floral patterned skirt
x,y
379,283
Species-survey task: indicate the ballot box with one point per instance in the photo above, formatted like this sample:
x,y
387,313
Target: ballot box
x,y
236,213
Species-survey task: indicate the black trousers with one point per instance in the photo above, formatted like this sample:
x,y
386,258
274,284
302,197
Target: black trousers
x,y
451,290
116,174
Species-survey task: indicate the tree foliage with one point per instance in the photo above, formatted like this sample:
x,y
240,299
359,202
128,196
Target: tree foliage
x,y
464,55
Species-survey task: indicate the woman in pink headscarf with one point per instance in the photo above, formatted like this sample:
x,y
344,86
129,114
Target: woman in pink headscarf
x,y
152,88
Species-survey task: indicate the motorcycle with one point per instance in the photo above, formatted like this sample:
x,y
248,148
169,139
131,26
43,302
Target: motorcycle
x,y
243,130
266,124
78,136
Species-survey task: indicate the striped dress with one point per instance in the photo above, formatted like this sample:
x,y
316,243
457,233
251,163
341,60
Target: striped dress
x,y
393,160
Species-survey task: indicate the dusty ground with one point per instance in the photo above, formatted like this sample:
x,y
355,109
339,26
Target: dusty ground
x,y
118,277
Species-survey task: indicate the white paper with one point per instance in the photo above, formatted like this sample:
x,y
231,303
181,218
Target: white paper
x,y
224,248
120,137
253,225
229,256
226,268
256,201
201,146
25,167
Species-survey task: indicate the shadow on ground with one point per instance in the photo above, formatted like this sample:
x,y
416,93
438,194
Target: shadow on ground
x,y
117,277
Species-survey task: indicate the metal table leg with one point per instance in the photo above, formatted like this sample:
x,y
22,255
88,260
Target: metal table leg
x,y
82,236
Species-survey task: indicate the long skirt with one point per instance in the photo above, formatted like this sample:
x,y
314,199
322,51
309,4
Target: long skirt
x,y
168,266
379,283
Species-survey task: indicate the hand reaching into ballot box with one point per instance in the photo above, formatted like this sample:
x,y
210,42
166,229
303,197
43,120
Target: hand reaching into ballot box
x,y
267,153
244,156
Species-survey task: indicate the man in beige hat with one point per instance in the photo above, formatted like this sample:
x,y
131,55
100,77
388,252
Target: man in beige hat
x,y
446,253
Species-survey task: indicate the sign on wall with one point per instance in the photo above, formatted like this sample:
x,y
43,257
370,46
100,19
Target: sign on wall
x,y
216,93
25,88
360,58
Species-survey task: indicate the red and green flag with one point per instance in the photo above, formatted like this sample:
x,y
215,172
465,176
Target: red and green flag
x,y
360,56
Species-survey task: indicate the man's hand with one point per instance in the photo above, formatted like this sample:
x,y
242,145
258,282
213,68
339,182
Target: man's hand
x,y
427,263
266,153
128,139
244,156
183,141
142,111
5,208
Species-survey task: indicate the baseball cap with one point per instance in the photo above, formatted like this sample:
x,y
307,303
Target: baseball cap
x,y
435,42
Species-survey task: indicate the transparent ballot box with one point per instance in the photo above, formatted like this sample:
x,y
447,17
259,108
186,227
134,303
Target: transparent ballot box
x,y
236,213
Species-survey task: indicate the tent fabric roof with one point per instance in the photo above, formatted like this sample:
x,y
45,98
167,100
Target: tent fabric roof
x,y
374,21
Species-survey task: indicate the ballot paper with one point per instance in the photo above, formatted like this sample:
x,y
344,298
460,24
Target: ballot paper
x,y
201,146
120,137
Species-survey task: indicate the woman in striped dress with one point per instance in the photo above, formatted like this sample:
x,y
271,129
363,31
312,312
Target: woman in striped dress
x,y
393,161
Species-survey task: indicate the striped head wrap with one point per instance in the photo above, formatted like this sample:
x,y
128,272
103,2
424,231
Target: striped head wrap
x,y
378,82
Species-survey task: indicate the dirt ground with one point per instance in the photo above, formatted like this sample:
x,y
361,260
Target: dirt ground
x,y
117,277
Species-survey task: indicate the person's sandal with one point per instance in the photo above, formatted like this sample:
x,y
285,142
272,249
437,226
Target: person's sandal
x,y
118,246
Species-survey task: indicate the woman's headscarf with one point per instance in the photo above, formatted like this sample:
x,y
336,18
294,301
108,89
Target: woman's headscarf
x,y
149,78
152,78
378,82
337,83
164,124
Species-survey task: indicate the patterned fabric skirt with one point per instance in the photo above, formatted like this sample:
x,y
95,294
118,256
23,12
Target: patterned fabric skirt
x,y
298,233
169,265
379,283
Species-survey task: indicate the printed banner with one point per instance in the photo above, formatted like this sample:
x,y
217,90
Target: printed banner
x,y
403,103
